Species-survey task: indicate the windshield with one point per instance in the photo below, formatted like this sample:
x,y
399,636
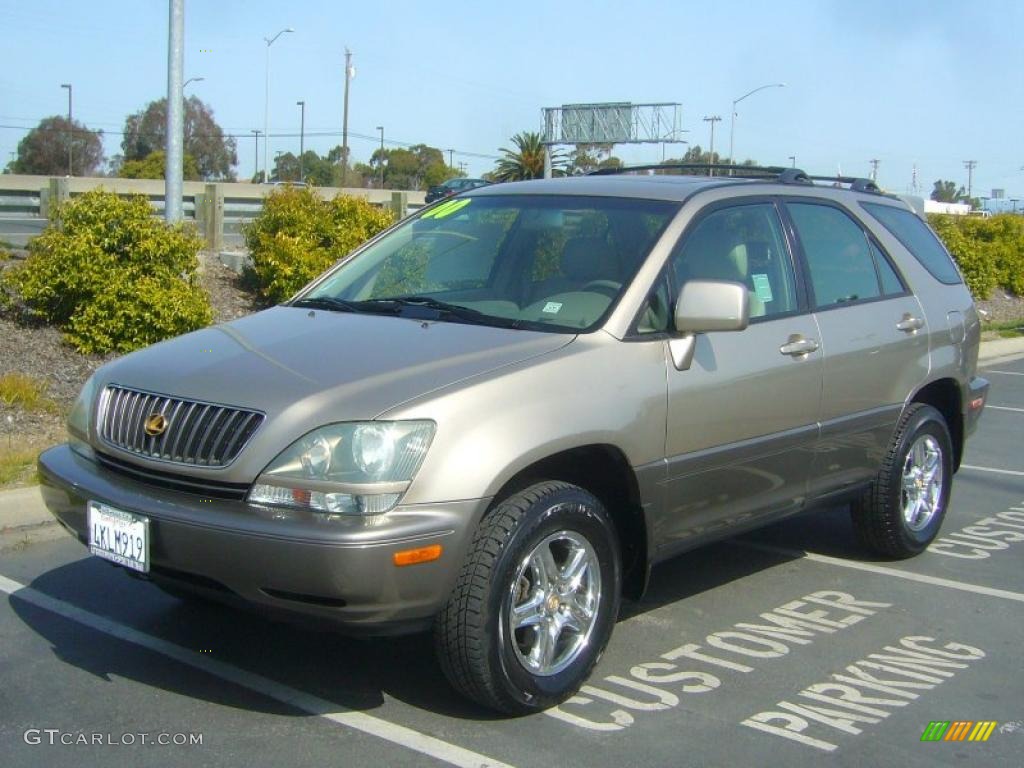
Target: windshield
x,y
555,263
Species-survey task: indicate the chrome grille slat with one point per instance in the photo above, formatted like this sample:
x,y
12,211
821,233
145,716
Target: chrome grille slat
x,y
197,433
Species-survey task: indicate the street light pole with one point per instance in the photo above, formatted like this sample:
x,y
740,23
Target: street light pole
x,y
349,74
302,137
256,159
381,163
191,80
71,133
711,152
732,118
266,105
174,158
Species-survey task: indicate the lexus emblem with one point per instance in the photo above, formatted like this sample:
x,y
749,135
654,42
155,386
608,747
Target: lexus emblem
x,y
155,425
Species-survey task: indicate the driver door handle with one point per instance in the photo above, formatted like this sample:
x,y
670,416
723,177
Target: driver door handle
x,y
798,346
909,323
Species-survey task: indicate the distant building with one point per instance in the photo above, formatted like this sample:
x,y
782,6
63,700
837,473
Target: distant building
x,y
957,209
1003,204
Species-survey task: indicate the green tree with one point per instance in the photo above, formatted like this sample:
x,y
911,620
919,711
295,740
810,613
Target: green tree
x,y
947,192
154,166
415,168
526,161
145,132
591,157
44,150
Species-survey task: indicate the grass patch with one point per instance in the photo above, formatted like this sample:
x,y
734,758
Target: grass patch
x,y
18,466
21,391
1012,329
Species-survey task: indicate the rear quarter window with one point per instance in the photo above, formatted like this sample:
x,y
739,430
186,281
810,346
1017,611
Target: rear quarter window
x,y
917,238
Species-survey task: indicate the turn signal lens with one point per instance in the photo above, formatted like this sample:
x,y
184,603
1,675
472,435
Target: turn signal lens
x,y
415,556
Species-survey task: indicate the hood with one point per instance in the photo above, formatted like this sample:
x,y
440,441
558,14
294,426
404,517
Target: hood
x,y
305,368
357,365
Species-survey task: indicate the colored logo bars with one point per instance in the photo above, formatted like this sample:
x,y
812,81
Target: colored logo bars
x,y
958,730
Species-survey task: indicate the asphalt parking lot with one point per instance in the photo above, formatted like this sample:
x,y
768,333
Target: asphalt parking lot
x,y
789,646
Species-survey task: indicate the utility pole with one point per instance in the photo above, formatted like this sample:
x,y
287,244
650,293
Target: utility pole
x,y
874,169
71,130
711,153
256,160
349,74
914,189
451,158
175,112
302,138
380,163
970,165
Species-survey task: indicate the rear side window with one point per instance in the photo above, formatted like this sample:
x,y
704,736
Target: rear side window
x,y
917,238
838,255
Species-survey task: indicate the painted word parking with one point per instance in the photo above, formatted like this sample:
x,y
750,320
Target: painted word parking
x,y
654,685
867,691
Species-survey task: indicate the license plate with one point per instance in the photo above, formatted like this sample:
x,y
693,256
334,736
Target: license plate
x,y
119,536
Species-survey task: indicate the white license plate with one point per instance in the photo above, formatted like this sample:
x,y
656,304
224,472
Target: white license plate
x,y
119,536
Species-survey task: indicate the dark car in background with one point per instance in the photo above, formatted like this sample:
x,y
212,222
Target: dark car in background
x,y
453,187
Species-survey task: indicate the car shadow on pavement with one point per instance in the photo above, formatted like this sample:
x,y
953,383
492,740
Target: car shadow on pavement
x,y
356,673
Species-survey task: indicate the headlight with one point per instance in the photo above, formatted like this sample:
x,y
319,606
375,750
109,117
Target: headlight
x,y
346,469
80,417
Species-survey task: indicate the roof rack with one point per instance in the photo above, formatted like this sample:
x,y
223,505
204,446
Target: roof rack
x,y
770,173
741,171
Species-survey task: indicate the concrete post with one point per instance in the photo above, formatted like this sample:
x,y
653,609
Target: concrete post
x,y
44,202
59,194
400,204
213,217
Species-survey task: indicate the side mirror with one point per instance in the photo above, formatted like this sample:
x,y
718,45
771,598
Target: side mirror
x,y
712,305
703,306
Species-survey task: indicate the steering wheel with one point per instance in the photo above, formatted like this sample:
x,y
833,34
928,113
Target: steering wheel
x,y
606,286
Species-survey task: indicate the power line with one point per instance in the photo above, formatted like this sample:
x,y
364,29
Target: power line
x,y
226,135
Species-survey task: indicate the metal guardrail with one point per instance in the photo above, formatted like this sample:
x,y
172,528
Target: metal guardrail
x,y
219,210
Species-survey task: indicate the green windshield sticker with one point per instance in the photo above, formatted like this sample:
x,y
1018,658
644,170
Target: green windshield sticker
x,y
447,209
762,287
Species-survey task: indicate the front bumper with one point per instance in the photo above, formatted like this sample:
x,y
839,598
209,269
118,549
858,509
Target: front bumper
x,y
300,563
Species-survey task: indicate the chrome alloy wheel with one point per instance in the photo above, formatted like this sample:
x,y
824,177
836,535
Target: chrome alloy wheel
x,y
554,601
922,483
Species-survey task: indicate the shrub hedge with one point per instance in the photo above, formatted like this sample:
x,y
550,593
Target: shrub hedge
x,y
989,251
298,235
110,275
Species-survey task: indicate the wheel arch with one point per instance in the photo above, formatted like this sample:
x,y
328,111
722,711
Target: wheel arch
x,y
945,396
604,471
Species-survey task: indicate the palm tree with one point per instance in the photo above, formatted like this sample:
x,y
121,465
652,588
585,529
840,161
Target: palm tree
x,y
527,162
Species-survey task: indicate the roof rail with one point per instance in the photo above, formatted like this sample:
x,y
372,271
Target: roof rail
x,y
765,173
741,171
856,183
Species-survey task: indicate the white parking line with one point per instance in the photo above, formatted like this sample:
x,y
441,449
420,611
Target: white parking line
x,y
884,571
1015,472
314,705
1004,408
1005,373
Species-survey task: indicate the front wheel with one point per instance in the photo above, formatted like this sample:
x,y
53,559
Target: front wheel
x,y
902,512
535,602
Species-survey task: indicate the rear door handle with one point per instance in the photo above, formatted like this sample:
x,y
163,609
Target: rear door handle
x,y
799,346
910,324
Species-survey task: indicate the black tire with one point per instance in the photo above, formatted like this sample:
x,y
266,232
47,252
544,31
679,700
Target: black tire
x,y
481,655
878,516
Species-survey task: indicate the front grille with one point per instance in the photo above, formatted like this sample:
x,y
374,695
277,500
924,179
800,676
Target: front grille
x,y
175,482
196,433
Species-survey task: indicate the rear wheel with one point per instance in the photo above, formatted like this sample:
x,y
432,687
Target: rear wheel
x,y
902,512
535,602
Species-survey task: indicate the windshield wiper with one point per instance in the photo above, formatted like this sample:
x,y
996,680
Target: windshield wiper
x,y
457,311
341,305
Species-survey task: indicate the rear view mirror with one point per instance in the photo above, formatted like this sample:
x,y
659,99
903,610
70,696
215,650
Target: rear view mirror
x,y
712,305
703,306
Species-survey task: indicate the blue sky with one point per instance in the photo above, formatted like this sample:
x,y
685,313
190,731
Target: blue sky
x,y
904,81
